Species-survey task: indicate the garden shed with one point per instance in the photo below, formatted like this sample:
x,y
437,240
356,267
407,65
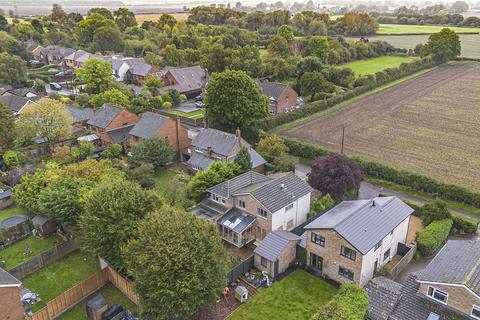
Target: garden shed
x,y
95,307
13,228
5,198
44,225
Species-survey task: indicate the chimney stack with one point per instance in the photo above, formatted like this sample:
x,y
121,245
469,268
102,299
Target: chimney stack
x,y
238,133
209,152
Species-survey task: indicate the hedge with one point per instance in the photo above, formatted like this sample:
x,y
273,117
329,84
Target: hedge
x,y
378,79
433,236
465,224
411,180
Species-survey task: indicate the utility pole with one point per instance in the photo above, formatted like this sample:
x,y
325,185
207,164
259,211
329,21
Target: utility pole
x,y
343,139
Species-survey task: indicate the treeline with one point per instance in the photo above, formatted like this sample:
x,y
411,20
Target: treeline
x,y
302,23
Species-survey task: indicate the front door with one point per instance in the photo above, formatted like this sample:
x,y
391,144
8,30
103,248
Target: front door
x,y
316,263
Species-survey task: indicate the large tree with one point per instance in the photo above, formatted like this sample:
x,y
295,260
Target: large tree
x,y
111,211
271,146
443,46
178,263
234,100
124,18
112,96
155,151
13,70
314,85
47,119
7,128
97,75
318,46
335,175
243,159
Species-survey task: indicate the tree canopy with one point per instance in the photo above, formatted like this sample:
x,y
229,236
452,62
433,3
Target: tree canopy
x,y
96,74
243,159
443,46
7,128
155,151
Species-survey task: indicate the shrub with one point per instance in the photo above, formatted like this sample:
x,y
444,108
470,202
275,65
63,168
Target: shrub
x,y
433,236
285,163
61,152
350,303
167,104
82,150
465,224
114,151
13,159
384,271
433,211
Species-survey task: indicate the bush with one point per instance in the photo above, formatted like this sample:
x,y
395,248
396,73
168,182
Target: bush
x,y
13,159
350,303
434,211
114,151
433,236
285,163
465,225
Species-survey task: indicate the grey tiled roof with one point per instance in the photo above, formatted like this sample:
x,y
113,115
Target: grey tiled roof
x,y
257,159
221,142
458,262
363,223
383,295
4,194
12,221
281,192
148,125
200,161
119,135
208,209
188,79
80,114
274,243
236,220
40,219
14,102
6,279
229,187
303,240
273,89
104,116
140,69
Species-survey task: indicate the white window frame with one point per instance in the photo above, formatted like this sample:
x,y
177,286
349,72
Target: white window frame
x,y
475,307
433,295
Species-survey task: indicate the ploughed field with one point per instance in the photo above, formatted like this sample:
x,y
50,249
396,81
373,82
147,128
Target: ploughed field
x,y
429,125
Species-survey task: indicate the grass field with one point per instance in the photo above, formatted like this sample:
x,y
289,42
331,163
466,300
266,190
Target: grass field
x,y
409,29
12,211
154,16
298,296
13,255
111,294
369,66
427,125
57,277
199,114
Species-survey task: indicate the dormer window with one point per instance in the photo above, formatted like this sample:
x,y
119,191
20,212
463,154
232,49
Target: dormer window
x,y
437,295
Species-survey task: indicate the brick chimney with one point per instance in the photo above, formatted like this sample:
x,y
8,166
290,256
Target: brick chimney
x,y
209,152
238,133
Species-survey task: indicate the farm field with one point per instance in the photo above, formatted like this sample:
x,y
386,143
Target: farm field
x,y
427,125
369,66
154,16
409,29
470,42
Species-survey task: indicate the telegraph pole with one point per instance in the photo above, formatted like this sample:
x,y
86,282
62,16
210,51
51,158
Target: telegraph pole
x,y
343,138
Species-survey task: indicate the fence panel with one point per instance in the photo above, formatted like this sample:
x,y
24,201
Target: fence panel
x,y
41,314
74,294
123,284
239,270
57,305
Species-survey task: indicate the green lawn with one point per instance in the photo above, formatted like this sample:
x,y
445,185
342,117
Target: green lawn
x,y
111,294
13,255
61,275
12,211
370,66
298,296
403,29
199,114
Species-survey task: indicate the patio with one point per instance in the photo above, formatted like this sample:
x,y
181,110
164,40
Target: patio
x,y
237,254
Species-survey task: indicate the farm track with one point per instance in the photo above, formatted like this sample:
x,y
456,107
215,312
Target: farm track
x,y
428,125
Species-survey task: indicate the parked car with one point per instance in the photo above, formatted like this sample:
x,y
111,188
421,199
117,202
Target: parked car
x,y
199,98
199,104
55,86
64,74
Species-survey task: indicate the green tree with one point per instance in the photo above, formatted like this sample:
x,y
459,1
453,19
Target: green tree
x,y
433,211
322,204
314,85
97,75
23,31
85,30
112,209
153,83
7,128
285,162
113,151
279,46
58,14
243,159
124,18
309,64
106,39
161,247
13,159
318,46
175,193
47,119
350,303
82,150
27,192
155,151
443,46
216,173
234,100
101,11
13,70
287,33
271,146
154,59
112,96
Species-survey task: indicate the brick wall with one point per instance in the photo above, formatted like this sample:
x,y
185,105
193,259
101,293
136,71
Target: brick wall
x,y
287,100
332,259
10,305
124,118
459,298
263,226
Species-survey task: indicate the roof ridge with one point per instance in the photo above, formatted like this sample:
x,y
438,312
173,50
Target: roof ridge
x,y
353,212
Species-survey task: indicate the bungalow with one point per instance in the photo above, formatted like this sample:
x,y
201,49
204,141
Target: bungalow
x,y
112,124
15,103
189,81
352,240
251,205
153,125
11,307
448,288
282,98
211,145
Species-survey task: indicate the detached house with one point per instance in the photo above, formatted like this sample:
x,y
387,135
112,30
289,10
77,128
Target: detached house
x,y
112,124
251,205
153,125
16,103
189,81
139,70
211,145
352,240
282,98
54,54
447,289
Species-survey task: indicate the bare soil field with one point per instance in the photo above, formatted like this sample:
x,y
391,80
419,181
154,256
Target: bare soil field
x,y
154,16
429,125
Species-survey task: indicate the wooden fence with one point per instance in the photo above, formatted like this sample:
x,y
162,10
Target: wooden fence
x,y
240,269
122,284
407,254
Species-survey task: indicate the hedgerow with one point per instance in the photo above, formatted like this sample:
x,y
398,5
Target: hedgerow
x,y
433,236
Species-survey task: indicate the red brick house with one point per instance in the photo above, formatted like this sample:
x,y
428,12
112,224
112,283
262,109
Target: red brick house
x,y
112,124
10,305
282,98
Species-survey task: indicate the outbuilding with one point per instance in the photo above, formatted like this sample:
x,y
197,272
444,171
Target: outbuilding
x,y
13,228
5,198
44,225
